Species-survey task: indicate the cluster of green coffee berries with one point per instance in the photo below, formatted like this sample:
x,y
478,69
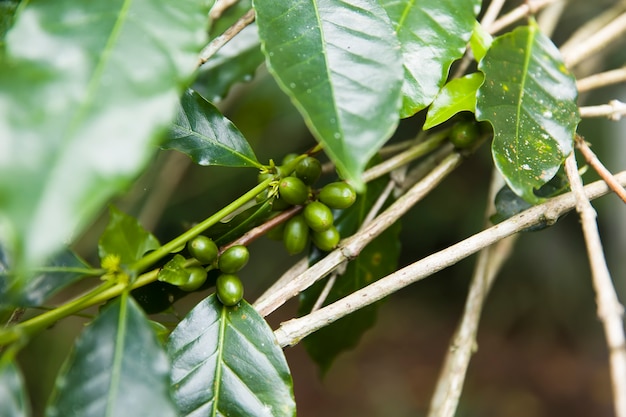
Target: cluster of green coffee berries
x,y
228,286
316,221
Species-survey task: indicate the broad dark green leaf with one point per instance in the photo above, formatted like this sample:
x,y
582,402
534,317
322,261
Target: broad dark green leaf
x,y
529,97
13,401
85,89
432,34
117,368
65,269
209,138
226,362
125,238
235,62
340,64
378,259
456,96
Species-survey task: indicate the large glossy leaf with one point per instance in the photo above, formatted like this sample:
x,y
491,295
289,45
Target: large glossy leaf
x,y
377,259
456,96
203,133
433,34
117,368
85,88
65,269
235,62
530,99
340,64
226,362
124,237
13,402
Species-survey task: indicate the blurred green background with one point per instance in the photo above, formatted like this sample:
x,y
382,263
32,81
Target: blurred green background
x,y
541,349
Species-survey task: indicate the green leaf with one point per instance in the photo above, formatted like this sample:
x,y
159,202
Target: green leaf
x,y
529,98
7,11
174,271
226,362
433,34
85,89
457,95
13,401
65,269
203,133
234,62
377,260
340,64
480,42
117,368
125,238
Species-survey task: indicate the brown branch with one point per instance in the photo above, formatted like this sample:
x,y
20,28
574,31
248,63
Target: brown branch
x,y
602,79
610,311
228,34
599,167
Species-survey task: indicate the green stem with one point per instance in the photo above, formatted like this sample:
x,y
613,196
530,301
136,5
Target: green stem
x,y
182,239
98,295
108,290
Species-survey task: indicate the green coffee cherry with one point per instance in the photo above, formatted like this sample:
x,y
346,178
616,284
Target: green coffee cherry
x,y
309,170
203,249
326,240
233,259
197,277
229,289
289,157
464,134
318,216
296,234
263,176
337,195
293,191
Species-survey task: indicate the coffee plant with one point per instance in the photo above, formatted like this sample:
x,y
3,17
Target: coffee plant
x,y
92,92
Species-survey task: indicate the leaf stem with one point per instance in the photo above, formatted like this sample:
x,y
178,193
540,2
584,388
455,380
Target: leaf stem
x,y
110,290
182,239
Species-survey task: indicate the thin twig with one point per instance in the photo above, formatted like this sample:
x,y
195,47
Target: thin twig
x,y
596,42
599,167
445,399
591,26
602,79
292,331
352,246
325,291
223,39
492,12
610,310
220,7
520,12
414,152
614,110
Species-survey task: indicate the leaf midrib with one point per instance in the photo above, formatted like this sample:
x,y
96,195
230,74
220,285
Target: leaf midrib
x,y
116,373
219,362
527,58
